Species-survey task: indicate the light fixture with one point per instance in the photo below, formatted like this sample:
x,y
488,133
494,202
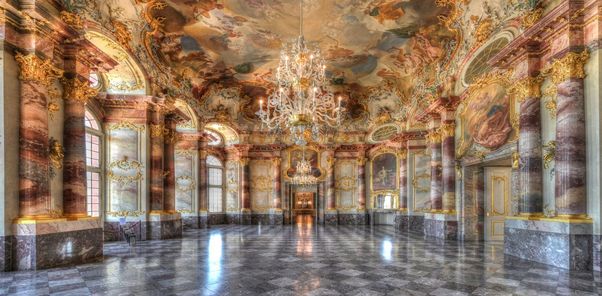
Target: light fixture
x,y
303,173
299,103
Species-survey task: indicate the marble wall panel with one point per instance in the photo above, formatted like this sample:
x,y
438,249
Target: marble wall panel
x,y
232,180
124,196
261,184
113,231
346,184
186,180
419,178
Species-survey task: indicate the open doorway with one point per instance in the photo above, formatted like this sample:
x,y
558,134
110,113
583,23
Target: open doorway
x,y
304,207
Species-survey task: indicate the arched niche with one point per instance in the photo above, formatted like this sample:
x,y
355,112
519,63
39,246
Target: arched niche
x,y
125,78
230,136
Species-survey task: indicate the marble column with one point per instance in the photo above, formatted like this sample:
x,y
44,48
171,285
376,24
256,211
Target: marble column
x,y
169,190
530,150
570,169
277,199
361,177
448,160
403,180
156,158
35,76
76,92
202,175
245,195
246,183
330,183
434,137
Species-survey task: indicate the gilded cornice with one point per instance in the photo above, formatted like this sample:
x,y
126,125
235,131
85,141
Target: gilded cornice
x,y
567,67
35,69
434,136
72,20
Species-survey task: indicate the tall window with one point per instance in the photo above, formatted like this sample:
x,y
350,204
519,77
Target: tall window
x,y
215,184
93,164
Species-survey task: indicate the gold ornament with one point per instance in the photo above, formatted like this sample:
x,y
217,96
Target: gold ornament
x,y
125,125
569,66
403,154
549,153
531,17
156,130
77,90
447,130
434,136
551,106
56,154
72,20
527,87
125,165
515,160
125,213
35,69
483,31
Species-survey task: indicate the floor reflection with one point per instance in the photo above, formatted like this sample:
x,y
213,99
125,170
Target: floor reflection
x,y
303,259
304,234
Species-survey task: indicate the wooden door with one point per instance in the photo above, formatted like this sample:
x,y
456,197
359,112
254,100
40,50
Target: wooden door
x,y
497,191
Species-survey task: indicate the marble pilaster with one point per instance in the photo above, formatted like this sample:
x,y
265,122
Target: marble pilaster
x,y
434,137
403,180
169,189
277,190
156,156
361,187
448,160
530,151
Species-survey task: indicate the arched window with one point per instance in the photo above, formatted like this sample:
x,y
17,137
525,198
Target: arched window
x,y
215,176
93,164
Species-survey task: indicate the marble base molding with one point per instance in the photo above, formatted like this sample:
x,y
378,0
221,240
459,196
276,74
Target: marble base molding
x,y
359,217
246,217
331,217
164,226
442,226
402,221
6,250
233,218
562,244
58,242
416,223
276,217
216,219
191,221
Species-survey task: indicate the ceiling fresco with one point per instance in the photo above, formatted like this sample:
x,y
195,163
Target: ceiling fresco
x,y
386,58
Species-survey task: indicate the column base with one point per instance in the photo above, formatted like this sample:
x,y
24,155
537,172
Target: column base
x,y
191,221
276,217
203,219
6,246
557,242
216,218
402,221
232,218
246,217
39,244
441,225
164,225
331,217
355,217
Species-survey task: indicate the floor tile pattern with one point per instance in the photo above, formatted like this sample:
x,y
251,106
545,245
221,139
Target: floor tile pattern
x,y
303,260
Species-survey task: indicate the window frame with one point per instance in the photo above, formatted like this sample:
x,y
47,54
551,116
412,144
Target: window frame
x,y
221,186
101,165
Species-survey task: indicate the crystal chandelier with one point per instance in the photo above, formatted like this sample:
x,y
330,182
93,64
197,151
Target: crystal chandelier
x,y
303,174
299,102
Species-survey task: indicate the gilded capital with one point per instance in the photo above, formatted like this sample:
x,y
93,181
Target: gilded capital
x,y
156,130
569,66
447,130
434,136
77,90
528,87
36,69
403,154
72,20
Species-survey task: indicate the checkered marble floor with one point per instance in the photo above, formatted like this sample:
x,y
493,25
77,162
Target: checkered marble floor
x,y
302,260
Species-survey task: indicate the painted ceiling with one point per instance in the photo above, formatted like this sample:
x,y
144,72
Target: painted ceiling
x,y
383,56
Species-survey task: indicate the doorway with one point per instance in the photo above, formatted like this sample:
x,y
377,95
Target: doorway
x,y
304,207
497,194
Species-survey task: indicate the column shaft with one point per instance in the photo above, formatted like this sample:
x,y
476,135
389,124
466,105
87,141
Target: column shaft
x,y
246,184
156,159
169,194
202,182
530,158
403,180
436,174
75,94
277,199
449,167
330,190
361,176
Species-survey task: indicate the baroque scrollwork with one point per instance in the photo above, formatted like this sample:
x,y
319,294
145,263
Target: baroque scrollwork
x,y
185,183
77,90
126,125
125,165
569,66
527,87
56,154
549,152
36,69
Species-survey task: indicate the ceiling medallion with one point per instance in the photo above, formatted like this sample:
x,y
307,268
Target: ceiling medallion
x,y
303,173
299,102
